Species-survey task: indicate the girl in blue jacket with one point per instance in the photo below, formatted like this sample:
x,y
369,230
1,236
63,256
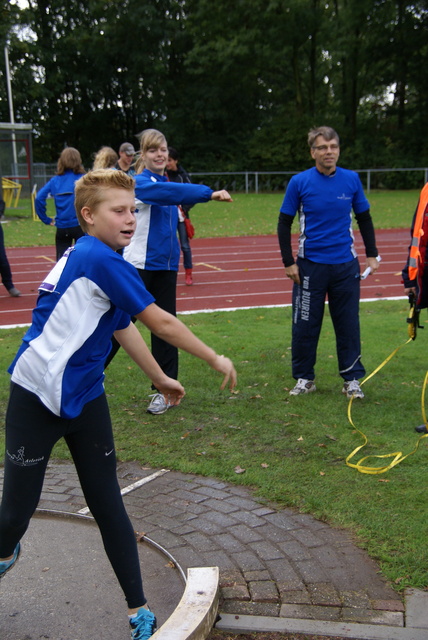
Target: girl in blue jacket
x,y
61,188
154,250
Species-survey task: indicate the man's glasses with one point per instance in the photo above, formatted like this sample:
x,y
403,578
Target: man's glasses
x,y
324,147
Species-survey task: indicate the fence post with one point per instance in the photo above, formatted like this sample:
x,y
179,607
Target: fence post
x,y
246,182
368,180
256,182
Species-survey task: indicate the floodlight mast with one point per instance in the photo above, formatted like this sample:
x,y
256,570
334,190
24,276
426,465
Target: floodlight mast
x,y
12,119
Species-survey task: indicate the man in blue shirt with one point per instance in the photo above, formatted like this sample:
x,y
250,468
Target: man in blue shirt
x,y
327,263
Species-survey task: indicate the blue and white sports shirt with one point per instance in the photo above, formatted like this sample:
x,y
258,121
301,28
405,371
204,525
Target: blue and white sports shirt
x,y
89,294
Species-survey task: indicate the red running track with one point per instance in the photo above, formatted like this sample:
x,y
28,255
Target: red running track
x,y
229,273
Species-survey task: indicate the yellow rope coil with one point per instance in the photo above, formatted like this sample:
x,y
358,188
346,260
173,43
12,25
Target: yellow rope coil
x,y
397,455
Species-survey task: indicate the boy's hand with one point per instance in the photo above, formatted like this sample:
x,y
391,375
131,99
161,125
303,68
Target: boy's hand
x,y
225,366
171,389
221,196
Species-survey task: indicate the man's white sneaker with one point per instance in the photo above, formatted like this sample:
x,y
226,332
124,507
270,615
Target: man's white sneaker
x,y
158,404
303,386
352,389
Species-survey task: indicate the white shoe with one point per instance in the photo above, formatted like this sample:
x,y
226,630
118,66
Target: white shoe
x,y
303,386
158,404
352,389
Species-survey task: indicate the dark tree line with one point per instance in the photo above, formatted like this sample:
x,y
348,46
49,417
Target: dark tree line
x,y
234,86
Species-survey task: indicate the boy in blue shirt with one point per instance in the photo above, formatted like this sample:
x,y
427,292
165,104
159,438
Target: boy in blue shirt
x,y
57,379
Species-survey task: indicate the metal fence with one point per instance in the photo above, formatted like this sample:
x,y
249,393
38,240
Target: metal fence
x,y
271,181
260,181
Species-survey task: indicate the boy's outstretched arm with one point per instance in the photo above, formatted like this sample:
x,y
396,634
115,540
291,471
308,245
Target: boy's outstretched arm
x,y
172,330
133,343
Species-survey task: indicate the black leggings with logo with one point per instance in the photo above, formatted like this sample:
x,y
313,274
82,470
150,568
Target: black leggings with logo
x,y
31,432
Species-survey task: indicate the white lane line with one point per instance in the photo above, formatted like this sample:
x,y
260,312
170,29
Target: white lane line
x,y
133,486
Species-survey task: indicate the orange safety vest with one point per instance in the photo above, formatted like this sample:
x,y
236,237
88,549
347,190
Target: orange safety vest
x,y
418,246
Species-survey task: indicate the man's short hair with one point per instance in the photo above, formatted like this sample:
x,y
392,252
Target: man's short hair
x,y
90,189
326,132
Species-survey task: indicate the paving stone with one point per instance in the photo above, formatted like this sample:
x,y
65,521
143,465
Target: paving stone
x,y
355,599
249,519
221,519
388,605
323,593
230,577
266,550
189,496
327,557
212,493
299,596
283,520
211,482
207,526
311,571
221,505
263,511
237,592
199,541
244,533
228,542
283,572
187,557
219,559
163,522
248,561
294,550
275,534
167,539
183,529
263,591
243,503
307,537
257,575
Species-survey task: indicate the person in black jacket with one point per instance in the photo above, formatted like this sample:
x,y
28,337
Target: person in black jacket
x,y
176,173
5,271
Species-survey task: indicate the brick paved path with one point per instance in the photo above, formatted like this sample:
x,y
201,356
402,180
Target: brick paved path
x,y
272,562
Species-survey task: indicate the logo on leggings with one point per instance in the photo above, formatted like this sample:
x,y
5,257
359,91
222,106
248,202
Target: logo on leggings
x,y
20,459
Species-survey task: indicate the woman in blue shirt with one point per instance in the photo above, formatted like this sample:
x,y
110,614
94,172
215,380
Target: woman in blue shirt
x,y
61,188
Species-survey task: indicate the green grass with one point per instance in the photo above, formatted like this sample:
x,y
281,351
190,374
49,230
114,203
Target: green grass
x,y
248,214
293,449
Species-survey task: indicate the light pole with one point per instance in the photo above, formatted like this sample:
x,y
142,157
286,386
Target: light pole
x,y
12,119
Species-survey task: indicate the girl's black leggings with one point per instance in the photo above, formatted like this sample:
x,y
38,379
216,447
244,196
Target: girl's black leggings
x,y
31,432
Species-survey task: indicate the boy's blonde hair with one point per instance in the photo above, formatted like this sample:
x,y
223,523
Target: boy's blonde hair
x,y
149,139
90,189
